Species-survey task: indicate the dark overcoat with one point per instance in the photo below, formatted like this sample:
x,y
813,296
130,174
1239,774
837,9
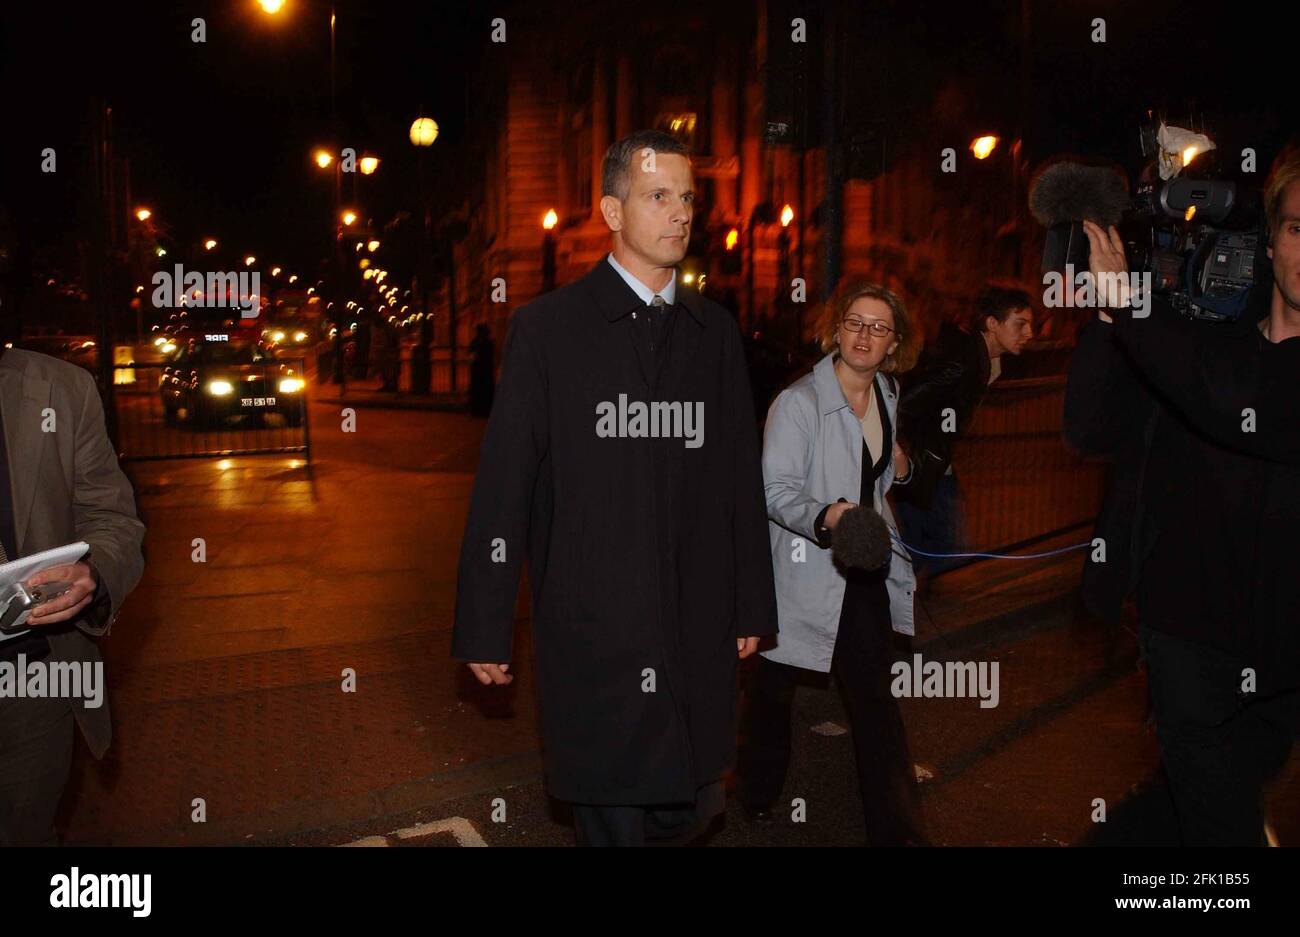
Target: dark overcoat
x,y
647,557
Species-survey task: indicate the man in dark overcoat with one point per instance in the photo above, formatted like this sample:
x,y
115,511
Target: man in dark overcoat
x,y
622,459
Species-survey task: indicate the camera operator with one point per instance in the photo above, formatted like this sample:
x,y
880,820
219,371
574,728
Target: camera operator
x,y
1199,520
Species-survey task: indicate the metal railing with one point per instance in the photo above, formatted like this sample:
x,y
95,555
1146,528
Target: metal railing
x,y
1018,482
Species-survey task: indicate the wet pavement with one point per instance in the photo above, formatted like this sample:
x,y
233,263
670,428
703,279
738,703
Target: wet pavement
x,y
229,679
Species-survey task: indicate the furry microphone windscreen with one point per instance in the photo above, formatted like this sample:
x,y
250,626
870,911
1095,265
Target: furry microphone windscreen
x,y
1065,192
861,539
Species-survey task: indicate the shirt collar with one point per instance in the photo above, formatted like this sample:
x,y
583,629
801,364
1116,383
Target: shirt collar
x,y
644,292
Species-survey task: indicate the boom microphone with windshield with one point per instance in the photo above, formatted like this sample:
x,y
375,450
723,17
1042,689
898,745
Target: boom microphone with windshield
x,y
1062,196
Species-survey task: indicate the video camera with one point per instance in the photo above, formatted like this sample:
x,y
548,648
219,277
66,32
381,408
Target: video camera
x,y
1196,232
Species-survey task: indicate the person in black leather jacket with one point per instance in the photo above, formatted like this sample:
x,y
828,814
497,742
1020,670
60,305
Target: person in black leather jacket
x,y
940,397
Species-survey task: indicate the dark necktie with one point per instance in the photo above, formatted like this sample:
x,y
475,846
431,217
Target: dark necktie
x,y
658,313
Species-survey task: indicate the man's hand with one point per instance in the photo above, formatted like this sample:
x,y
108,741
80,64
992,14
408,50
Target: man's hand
x,y
85,582
491,673
1106,257
746,646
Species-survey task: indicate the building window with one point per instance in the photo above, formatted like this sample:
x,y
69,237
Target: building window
x,y
681,124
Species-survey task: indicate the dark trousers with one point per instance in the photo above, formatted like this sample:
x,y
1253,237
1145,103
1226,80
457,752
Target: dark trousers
x,y
1219,747
886,777
936,529
656,825
36,737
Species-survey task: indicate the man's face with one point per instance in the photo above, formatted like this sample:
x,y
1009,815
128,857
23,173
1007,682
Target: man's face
x,y
654,221
1012,333
1285,249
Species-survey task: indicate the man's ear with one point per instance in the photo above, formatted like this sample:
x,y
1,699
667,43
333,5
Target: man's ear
x,y
611,209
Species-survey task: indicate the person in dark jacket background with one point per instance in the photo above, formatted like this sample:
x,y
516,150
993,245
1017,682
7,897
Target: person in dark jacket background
x,y
645,532
480,372
1200,521
940,397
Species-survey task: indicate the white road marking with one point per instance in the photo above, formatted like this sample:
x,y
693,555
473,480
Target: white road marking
x,y
458,827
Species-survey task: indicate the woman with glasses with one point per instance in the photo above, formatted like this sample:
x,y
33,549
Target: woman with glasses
x,y
829,446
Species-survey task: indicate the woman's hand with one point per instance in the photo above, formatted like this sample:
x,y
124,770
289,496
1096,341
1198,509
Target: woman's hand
x,y
837,511
902,464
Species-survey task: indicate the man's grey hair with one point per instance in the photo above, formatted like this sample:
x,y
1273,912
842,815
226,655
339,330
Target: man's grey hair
x,y
616,170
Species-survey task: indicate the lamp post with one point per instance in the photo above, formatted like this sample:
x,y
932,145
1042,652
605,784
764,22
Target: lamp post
x,y
424,131
548,250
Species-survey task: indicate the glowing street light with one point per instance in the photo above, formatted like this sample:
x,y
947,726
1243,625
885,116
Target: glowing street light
x,y
250,260
349,218
143,214
271,7
368,164
550,220
787,216
733,236
210,244
372,246
323,159
983,146
424,131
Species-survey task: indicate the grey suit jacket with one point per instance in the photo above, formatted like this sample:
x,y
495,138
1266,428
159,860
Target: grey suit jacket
x,y
66,486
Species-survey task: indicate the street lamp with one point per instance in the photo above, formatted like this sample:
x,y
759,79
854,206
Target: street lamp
x,y
323,159
210,244
271,7
424,131
349,218
983,146
143,214
368,164
549,221
250,260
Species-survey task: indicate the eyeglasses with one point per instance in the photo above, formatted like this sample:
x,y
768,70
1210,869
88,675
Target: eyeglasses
x,y
875,326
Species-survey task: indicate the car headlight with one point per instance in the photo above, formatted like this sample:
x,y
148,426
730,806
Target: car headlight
x,y
277,336
168,348
291,385
219,388
300,336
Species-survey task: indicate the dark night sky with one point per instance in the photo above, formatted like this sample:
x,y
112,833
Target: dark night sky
x,y
220,134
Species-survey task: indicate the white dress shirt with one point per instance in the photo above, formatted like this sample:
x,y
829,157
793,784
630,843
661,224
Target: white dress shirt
x,y
641,290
